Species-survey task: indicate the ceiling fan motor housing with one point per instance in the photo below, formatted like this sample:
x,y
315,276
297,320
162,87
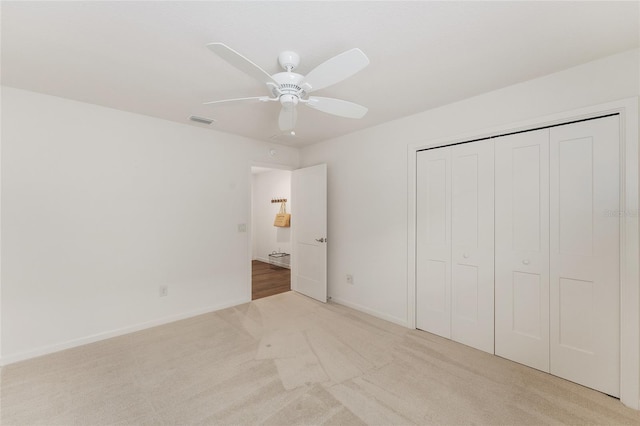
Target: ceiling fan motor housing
x,y
289,90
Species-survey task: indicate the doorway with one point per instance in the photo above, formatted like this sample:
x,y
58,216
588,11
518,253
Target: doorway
x,y
271,245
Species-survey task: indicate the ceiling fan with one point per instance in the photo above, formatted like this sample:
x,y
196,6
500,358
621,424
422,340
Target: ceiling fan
x,y
290,88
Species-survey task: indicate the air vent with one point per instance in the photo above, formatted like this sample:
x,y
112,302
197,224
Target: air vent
x,y
202,120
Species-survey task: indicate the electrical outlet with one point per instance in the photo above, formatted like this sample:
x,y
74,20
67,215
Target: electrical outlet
x,y
242,227
164,290
349,279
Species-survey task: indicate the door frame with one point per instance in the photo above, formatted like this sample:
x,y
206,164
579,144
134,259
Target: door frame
x,y
274,166
629,225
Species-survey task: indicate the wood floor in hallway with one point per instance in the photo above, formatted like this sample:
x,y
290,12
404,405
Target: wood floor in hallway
x,y
268,279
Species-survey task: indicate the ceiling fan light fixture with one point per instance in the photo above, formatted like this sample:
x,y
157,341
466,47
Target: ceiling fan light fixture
x,y
289,101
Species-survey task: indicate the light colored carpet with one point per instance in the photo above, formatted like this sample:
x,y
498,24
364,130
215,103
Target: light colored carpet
x,y
287,360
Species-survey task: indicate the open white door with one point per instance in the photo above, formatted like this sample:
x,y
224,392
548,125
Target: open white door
x,y
309,229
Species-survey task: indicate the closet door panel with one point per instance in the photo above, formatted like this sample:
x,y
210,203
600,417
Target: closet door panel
x,y
585,232
472,253
433,241
522,248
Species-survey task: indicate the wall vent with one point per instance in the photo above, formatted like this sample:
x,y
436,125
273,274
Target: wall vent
x,y
201,120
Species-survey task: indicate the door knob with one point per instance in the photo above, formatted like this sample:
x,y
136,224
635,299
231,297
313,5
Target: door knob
x,y
321,240
465,255
525,262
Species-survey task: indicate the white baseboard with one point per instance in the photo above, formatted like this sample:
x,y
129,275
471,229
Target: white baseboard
x,y
372,312
45,350
282,265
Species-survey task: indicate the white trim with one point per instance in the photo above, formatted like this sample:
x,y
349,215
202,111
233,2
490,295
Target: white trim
x,y
372,312
273,166
45,350
411,236
630,229
629,255
1,231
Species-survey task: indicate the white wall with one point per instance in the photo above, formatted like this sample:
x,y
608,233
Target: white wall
x,y
367,173
100,207
266,237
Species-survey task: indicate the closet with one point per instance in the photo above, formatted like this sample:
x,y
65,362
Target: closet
x,y
455,244
528,221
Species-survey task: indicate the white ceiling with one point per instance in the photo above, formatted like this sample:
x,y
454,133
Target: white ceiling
x,y
150,57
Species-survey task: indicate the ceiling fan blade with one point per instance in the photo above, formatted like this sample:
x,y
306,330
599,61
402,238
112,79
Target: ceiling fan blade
x,y
335,70
287,119
252,99
337,107
240,62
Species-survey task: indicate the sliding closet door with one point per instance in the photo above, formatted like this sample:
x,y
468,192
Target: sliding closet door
x,y
472,244
585,243
433,241
522,248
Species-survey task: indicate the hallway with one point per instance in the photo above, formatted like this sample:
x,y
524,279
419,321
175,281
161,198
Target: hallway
x,y
268,279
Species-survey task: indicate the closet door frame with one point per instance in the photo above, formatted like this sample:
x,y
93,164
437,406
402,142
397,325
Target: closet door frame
x,y
629,224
